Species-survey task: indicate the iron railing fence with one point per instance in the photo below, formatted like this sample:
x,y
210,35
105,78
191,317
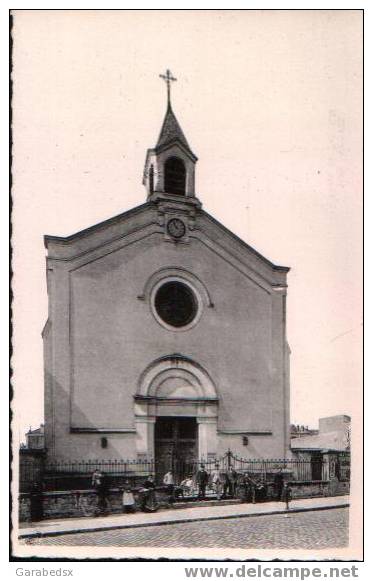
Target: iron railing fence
x,y
72,474
114,467
30,474
297,469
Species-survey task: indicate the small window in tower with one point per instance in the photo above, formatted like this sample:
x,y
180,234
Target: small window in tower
x,y
151,179
174,176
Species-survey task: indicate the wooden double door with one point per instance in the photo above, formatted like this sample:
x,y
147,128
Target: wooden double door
x,y
176,447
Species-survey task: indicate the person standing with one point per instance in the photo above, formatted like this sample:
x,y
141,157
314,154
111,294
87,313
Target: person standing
x,y
148,501
279,484
234,479
202,480
230,483
128,501
99,483
248,489
168,481
217,481
96,479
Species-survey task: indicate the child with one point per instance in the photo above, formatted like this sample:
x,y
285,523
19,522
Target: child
x,y
128,501
187,485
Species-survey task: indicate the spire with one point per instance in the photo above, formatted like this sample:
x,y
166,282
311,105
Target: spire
x,y
171,130
170,166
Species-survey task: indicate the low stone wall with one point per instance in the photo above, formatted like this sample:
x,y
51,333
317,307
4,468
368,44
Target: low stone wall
x,y
318,488
24,507
68,503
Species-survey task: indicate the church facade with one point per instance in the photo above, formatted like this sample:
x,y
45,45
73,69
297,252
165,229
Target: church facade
x,y
166,333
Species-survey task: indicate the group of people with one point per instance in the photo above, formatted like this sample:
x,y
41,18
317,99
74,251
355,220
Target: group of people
x,y
146,501
223,482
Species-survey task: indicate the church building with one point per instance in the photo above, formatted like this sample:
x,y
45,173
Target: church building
x,y
166,333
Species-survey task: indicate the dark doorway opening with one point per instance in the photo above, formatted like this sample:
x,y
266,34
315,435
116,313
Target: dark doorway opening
x,y
316,466
176,447
174,176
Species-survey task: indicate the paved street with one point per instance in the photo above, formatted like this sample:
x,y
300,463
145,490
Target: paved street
x,y
312,530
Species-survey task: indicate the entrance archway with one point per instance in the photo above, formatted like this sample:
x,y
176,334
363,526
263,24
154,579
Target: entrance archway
x,y
176,411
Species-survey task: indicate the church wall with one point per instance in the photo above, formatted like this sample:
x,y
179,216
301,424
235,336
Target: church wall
x,y
57,363
258,446
115,336
280,400
48,386
110,336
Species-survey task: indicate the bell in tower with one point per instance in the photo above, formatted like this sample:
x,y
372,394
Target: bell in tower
x,y
170,165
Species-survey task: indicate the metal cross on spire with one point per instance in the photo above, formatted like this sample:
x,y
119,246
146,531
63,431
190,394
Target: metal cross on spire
x,y
168,78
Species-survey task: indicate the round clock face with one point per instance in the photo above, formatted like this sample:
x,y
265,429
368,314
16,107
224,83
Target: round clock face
x,y
176,228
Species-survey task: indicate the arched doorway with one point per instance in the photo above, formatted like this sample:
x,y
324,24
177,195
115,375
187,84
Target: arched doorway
x,y
174,176
176,410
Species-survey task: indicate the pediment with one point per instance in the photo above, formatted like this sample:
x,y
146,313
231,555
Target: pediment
x,y
176,144
145,221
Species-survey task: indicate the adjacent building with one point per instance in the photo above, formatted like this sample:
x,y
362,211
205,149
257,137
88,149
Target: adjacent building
x,y
35,438
329,444
333,435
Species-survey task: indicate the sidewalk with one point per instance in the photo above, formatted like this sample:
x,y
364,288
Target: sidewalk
x,y
175,515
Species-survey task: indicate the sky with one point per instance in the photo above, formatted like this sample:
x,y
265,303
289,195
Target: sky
x,y
271,103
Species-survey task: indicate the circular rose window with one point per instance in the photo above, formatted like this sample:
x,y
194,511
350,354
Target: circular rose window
x,y
176,303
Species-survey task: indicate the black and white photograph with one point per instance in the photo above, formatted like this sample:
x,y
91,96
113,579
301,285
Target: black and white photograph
x,y
187,284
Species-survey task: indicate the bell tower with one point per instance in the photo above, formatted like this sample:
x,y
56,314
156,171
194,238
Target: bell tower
x,y
169,172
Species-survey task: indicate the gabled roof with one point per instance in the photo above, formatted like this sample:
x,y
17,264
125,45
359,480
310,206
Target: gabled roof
x,y
143,216
96,227
244,244
171,131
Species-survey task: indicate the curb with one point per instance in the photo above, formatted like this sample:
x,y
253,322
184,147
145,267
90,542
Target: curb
x,y
41,534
